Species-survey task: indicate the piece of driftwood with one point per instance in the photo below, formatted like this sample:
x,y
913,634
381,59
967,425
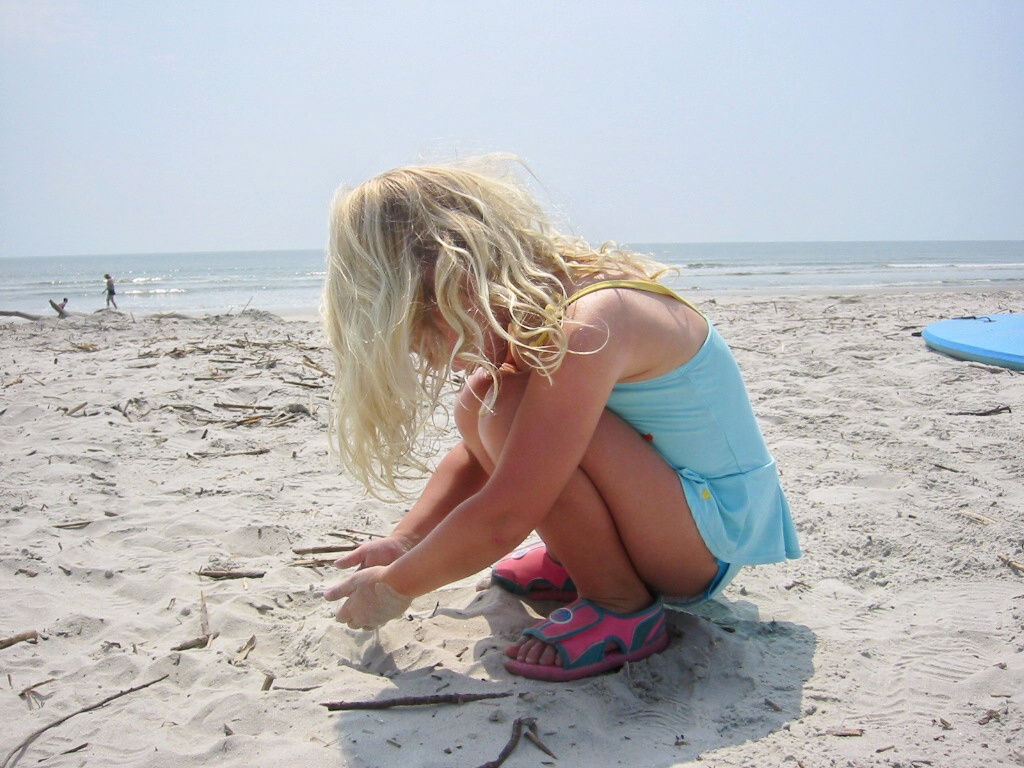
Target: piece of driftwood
x,y
976,516
198,642
987,412
531,734
29,690
22,315
315,562
318,368
61,313
204,614
324,550
513,742
212,573
21,637
1018,567
348,533
412,701
73,525
243,651
40,731
306,384
226,454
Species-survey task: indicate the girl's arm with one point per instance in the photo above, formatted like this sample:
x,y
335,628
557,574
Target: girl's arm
x,y
457,477
552,428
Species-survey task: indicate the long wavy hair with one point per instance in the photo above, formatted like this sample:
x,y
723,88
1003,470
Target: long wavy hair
x,y
467,241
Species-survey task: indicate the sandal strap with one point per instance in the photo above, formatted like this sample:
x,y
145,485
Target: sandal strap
x,y
581,632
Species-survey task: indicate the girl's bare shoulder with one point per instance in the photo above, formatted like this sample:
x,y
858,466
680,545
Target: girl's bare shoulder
x,y
656,333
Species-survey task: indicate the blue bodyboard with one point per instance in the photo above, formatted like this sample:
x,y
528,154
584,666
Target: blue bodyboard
x,y
991,339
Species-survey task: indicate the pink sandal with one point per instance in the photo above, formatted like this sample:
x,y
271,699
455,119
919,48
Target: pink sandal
x,y
530,572
591,640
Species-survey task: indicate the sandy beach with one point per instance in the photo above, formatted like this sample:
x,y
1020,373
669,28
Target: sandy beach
x,y
144,458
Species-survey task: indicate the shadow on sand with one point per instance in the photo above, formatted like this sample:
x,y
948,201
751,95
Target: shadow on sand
x,y
726,678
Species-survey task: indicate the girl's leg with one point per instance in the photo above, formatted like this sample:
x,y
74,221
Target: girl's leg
x,y
621,524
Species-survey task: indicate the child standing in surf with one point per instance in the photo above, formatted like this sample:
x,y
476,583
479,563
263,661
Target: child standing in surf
x,y
599,410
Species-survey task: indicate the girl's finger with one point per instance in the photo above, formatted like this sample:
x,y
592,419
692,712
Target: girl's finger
x,y
348,560
341,589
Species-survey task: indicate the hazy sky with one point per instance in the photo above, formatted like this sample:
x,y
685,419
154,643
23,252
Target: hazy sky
x,y
142,126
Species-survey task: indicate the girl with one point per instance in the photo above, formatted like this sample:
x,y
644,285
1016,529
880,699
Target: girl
x,y
599,409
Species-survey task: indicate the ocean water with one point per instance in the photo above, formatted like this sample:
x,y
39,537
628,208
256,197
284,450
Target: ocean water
x,y
289,282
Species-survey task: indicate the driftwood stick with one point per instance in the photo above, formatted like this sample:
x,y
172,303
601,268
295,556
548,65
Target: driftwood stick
x,y
988,412
226,454
73,524
243,407
513,742
326,549
533,736
243,651
976,516
216,574
413,701
39,732
312,563
306,384
30,689
204,615
199,642
319,368
22,315
1018,567
21,637
348,533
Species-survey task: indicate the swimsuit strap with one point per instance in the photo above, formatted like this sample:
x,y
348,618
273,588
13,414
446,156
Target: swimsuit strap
x,y
650,286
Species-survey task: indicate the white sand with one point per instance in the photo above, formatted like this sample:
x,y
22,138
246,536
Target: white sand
x,y
901,624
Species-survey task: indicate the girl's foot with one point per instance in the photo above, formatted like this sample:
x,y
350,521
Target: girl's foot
x,y
532,573
583,639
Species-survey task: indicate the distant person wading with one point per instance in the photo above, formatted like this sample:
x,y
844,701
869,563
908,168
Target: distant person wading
x,y
110,291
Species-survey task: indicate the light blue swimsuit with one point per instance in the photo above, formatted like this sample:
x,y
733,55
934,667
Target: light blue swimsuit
x,y
699,418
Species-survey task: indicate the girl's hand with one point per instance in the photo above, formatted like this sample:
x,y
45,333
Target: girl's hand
x,y
377,552
371,602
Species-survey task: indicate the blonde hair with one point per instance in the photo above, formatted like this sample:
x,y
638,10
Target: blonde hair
x,y
467,241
